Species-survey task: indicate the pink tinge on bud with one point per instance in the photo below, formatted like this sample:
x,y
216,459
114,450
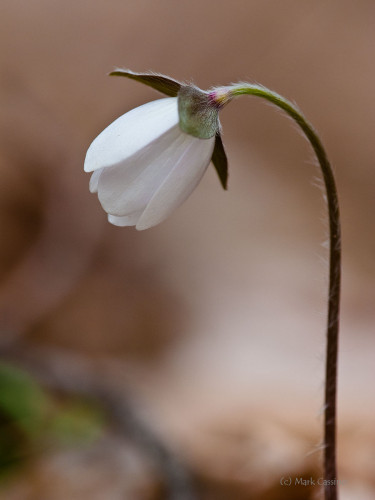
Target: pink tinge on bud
x,y
220,96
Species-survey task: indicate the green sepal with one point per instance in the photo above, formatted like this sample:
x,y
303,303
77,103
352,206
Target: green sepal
x,y
161,83
220,161
198,115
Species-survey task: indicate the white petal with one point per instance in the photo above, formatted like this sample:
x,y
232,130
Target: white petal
x,y
180,183
131,133
94,179
127,220
126,189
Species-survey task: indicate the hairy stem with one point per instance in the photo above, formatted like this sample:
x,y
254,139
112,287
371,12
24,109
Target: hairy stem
x,y
330,492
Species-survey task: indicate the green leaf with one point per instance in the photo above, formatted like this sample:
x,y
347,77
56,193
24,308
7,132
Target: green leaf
x,y
219,159
22,399
77,424
161,83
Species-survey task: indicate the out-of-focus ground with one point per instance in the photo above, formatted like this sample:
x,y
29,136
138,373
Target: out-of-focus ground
x,y
213,322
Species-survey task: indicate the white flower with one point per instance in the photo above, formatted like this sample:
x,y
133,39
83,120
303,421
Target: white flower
x,y
148,161
144,166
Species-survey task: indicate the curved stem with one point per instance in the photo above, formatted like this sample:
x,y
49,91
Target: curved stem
x,y
334,276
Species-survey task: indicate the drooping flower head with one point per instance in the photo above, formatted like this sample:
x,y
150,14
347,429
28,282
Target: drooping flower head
x,y
148,161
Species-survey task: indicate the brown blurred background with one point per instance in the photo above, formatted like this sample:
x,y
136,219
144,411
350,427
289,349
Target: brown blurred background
x,y
211,324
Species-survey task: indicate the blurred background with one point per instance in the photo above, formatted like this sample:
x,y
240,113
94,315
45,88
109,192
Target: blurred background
x,y
186,361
